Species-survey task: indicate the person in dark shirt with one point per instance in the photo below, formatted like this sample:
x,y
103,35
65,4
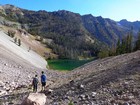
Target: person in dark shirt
x,y
35,83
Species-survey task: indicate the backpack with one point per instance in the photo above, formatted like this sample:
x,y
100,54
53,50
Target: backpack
x,y
43,78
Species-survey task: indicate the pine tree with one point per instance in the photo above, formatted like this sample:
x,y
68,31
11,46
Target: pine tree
x,y
15,39
137,44
126,44
129,43
118,47
19,42
123,46
103,54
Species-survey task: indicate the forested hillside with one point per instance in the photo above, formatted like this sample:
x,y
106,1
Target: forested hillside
x,y
68,34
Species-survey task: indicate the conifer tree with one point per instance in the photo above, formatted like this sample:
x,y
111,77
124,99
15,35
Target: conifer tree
x,y
15,39
137,44
128,43
19,42
118,47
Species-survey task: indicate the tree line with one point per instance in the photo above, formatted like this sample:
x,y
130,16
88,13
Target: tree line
x,y
124,45
12,35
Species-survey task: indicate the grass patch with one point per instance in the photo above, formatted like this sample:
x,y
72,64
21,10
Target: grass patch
x,y
66,64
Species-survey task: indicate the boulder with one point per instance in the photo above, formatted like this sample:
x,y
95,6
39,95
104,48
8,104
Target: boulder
x,y
94,94
35,99
80,86
2,92
1,84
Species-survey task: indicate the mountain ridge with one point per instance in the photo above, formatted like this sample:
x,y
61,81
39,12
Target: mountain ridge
x,y
90,34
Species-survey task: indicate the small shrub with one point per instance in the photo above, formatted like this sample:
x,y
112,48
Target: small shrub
x,y
19,42
15,39
71,103
11,33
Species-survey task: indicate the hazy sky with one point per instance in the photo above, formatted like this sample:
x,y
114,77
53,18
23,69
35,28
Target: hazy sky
x,y
113,9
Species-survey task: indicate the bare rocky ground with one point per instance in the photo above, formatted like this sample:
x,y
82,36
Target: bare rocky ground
x,y
17,68
109,81
16,77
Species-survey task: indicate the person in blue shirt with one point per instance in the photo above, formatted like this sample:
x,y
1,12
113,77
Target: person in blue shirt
x,y
43,80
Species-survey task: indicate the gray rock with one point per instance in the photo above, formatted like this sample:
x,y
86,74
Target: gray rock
x,y
35,99
82,97
94,94
3,92
126,103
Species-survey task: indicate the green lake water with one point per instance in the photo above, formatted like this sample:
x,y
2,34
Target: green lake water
x,y
66,64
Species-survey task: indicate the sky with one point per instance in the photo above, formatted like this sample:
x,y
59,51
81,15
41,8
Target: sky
x,y
113,9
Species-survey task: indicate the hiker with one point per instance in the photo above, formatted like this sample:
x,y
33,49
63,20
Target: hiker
x,y
35,83
43,80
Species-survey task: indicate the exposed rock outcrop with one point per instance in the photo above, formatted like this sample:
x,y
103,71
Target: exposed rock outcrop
x,y
35,99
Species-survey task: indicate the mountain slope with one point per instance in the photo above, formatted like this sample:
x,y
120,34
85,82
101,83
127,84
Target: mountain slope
x,y
130,25
102,82
89,34
22,52
18,65
99,82
105,30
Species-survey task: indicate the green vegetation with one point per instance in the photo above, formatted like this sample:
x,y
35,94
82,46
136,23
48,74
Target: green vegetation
x,y
73,35
71,103
19,42
137,44
103,54
15,39
11,33
123,46
66,64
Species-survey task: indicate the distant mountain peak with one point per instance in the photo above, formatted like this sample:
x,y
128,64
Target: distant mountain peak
x,y
88,15
63,11
8,6
4,9
99,17
129,25
123,20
